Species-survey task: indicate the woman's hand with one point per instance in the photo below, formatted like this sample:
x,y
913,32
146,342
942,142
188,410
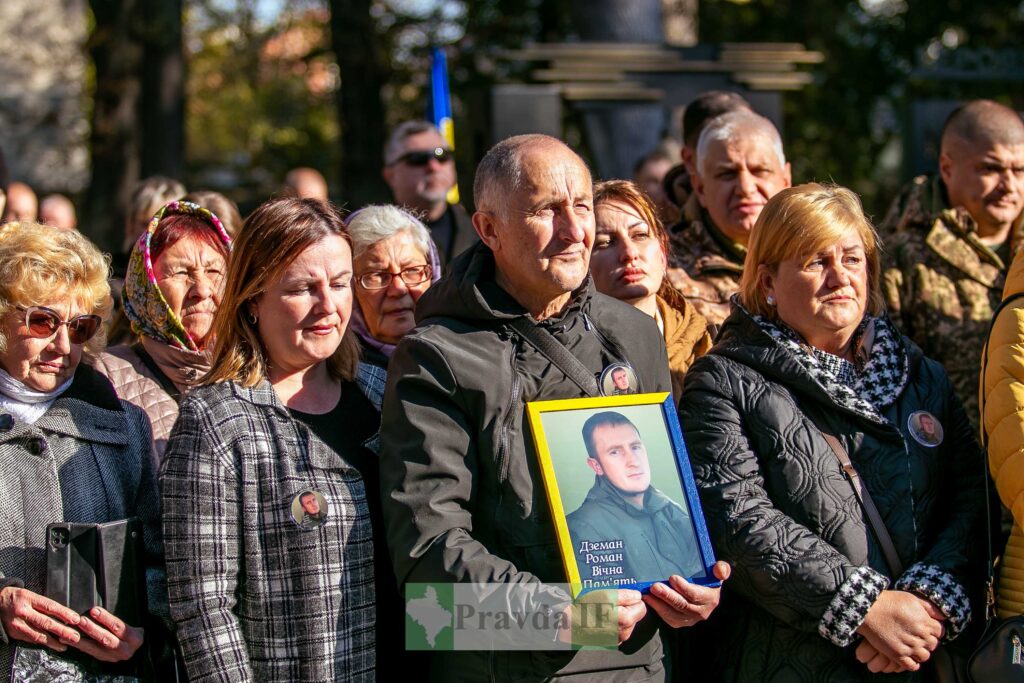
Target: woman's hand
x,y
902,627
681,603
36,619
876,662
109,639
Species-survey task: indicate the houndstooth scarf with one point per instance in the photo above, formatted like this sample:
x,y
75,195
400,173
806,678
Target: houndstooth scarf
x,y
874,381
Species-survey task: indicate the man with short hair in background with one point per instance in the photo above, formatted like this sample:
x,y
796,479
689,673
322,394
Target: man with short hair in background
x,y
700,111
22,204
739,165
951,238
306,183
419,167
58,211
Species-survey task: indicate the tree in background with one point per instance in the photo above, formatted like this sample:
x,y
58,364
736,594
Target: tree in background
x,y
260,96
116,52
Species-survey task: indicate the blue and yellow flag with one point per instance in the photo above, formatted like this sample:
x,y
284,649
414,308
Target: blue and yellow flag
x,y
440,108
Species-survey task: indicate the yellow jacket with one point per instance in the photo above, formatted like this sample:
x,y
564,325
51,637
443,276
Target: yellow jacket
x,y
1002,415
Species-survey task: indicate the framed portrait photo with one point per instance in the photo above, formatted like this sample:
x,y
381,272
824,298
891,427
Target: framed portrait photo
x,y
621,491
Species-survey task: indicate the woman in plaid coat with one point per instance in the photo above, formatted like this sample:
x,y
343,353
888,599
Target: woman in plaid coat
x,y
268,535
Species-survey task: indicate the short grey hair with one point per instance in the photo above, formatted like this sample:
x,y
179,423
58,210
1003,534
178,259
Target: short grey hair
x,y
393,148
379,222
733,125
501,170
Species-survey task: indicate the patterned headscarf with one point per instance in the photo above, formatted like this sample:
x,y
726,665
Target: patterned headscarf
x,y
144,303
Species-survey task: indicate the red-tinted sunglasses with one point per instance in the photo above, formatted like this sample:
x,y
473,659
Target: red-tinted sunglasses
x,y
43,322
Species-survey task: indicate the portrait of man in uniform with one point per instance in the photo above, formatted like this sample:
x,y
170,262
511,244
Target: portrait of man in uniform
x,y
925,429
626,530
618,380
309,510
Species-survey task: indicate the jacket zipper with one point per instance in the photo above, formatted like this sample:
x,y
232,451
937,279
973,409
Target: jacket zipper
x,y
504,447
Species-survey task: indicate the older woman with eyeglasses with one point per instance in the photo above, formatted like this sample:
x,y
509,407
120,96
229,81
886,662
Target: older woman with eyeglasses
x,y
395,261
71,452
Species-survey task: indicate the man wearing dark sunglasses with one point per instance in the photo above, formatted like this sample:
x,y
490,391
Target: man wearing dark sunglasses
x,y
420,170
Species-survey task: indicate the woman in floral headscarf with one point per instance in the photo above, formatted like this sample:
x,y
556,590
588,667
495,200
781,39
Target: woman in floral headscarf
x,y
171,292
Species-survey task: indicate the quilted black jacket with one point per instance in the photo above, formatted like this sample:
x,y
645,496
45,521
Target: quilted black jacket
x,y
781,512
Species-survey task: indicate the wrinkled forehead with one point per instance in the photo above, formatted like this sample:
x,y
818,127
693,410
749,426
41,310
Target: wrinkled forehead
x,y
556,172
750,146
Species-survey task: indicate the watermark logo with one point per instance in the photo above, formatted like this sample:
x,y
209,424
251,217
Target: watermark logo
x,y
429,616
443,616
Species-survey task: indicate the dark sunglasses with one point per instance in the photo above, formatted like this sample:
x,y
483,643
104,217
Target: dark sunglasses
x,y
422,157
43,322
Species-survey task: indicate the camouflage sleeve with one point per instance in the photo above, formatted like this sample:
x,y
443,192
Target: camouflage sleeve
x,y
890,225
894,284
892,288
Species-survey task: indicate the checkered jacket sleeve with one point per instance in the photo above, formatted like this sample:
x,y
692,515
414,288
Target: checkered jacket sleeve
x,y
201,496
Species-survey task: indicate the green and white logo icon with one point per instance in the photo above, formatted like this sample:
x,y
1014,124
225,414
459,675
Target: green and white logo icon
x,y
429,616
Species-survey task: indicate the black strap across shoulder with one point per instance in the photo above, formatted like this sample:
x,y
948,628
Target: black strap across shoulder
x,y
165,382
867,504
556,352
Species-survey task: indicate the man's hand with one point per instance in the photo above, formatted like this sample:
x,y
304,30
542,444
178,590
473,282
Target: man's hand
x,y
109,639
630,610
36,619
902,627
681,603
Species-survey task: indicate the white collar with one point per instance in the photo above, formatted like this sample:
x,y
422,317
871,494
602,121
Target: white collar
x,y
24,402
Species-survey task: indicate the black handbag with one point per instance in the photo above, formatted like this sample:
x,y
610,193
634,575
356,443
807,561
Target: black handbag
x,y
998,657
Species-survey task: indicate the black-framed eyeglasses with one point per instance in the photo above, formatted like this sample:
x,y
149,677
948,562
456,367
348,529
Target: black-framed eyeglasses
x,y
422,157
43,322
379,279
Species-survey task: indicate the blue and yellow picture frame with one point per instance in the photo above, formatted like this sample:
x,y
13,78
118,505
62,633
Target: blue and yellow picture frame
x,y
613,532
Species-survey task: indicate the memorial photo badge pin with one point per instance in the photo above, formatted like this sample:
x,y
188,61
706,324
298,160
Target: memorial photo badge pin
x,y
309,509
618,379
925,428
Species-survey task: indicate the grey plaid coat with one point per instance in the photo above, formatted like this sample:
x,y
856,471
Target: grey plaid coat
x,y
254,596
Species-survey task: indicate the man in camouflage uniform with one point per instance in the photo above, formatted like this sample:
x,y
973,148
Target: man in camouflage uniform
x,y
739,166
951,239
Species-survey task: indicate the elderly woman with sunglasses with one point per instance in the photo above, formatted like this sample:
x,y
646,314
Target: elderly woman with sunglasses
x,y
171,291
71,452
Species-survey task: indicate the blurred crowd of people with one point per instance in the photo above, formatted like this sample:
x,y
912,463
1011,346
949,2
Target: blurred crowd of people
x,y
310,409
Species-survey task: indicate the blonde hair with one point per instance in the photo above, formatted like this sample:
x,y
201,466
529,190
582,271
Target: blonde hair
x,y
273,236
40,264
801,221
